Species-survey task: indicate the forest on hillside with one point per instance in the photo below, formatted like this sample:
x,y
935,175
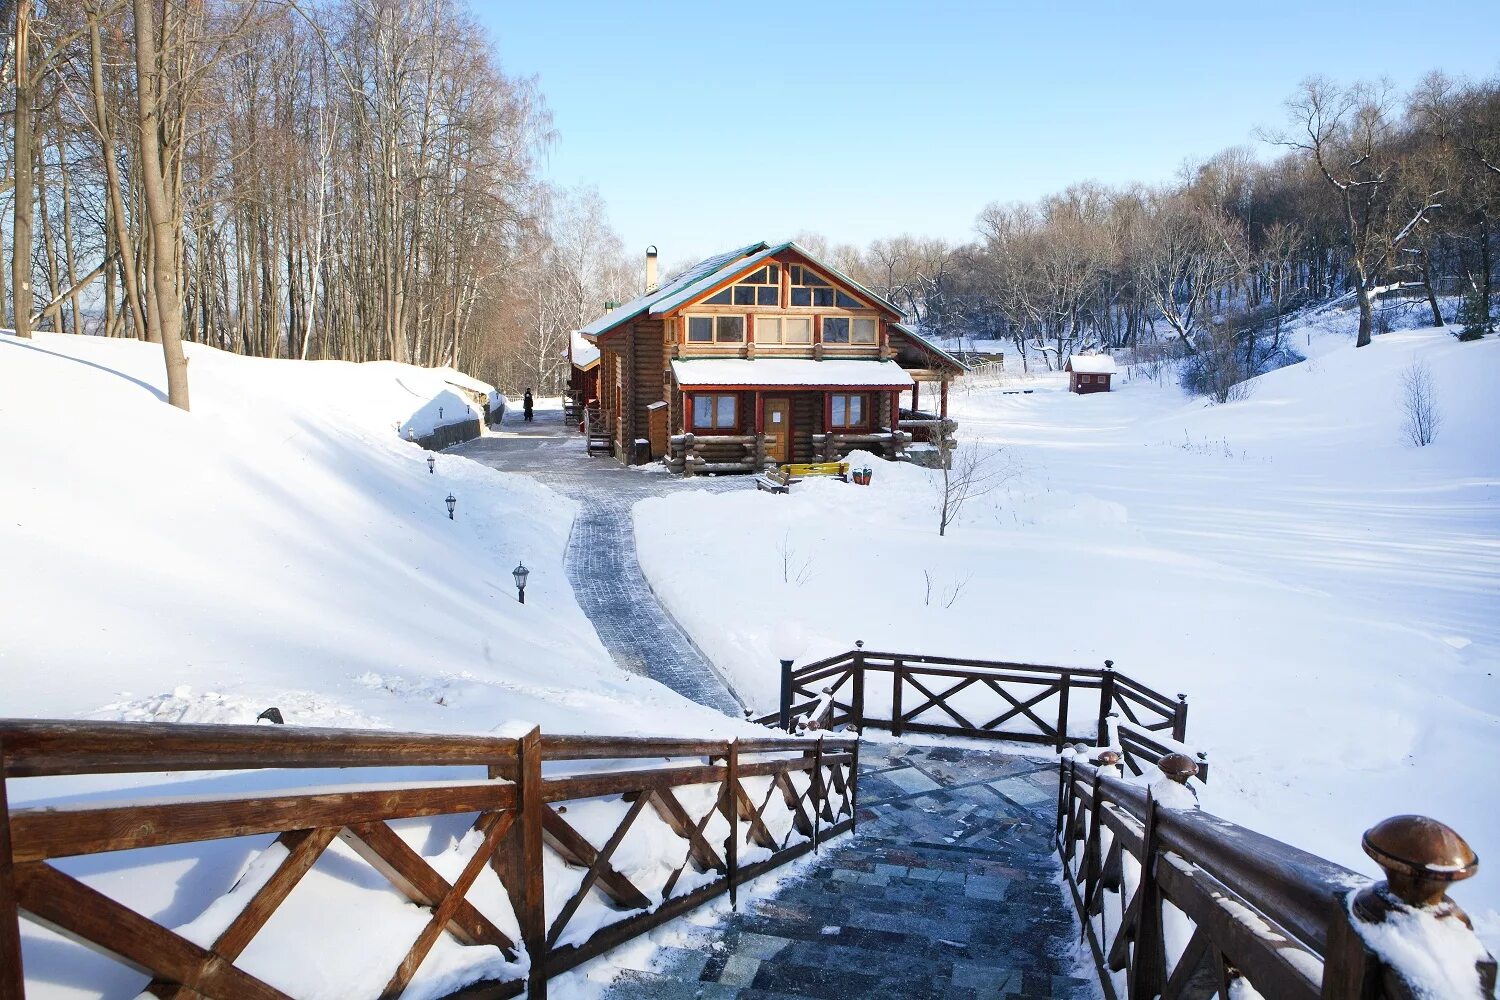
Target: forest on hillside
x,y
354,180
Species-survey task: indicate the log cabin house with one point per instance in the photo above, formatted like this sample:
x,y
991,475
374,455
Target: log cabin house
x,y
761,356
1089,372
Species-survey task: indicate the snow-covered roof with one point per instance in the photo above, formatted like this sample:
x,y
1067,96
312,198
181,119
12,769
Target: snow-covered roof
x,y
635,307
583,354
1091,364
930,345
707,273
773,372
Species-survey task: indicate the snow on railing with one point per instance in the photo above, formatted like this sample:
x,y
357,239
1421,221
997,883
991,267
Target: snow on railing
x,y
1175,902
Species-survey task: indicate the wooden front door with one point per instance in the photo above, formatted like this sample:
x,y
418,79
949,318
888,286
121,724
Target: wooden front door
x,y
778,427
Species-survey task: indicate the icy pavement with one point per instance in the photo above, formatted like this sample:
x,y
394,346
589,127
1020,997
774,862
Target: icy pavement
x,y
949,889
601,559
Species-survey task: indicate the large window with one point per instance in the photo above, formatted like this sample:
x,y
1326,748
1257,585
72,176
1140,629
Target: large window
x,y
783,329
850,330
847,410
763,288
810,288
716,413
716,329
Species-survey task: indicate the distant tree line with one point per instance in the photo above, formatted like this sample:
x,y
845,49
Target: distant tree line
x,y
348,179
1371,189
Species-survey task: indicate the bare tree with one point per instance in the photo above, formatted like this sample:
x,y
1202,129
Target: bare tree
x,y
969,473
1349,135
1419,405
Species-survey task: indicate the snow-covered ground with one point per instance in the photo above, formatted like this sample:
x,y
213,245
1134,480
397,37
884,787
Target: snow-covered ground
x,y
282,545
1327,595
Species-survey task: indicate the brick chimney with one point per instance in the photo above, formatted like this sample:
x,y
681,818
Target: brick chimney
x,y
651,282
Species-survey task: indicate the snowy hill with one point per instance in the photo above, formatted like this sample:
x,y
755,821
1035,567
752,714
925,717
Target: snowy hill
x,y
280,545
1326,594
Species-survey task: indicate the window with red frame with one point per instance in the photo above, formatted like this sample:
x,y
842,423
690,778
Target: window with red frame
x,y
848,410
716,412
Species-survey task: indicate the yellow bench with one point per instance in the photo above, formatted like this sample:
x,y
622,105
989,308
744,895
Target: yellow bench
x,y
781,480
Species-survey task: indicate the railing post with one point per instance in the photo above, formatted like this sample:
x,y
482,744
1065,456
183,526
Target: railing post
x,y
1179,719
729,806
896,685
1106,700
533,913
859,686
1062,710
817,793
786,696
1148,966
12,978
854,787
1421,858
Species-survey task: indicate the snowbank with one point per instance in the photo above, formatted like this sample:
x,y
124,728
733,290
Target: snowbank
x,y
282,545
1327,595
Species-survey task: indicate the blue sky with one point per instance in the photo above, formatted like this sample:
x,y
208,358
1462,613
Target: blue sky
x,y
708,125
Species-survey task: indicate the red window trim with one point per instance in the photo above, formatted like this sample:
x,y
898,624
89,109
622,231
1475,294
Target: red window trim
x,y
864,412
696,428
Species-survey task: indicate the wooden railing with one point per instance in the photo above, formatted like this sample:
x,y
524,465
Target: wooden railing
x,y
1247,910
885,442
780,798
983,699
697,454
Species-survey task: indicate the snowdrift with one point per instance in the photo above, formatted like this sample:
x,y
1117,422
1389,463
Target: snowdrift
x,y
282,545
1326,594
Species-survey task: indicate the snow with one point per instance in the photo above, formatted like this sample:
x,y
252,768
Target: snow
x,y
1091,364
1434,955
582,352
1327,595
788,372
282,545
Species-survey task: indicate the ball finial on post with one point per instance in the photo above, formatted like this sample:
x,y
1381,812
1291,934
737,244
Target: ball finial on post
x,y
1420,857
1178,767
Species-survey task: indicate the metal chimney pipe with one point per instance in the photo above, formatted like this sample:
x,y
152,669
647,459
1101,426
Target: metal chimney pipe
x,y
651,282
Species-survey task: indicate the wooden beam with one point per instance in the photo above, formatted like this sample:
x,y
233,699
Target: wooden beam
x,y
12,979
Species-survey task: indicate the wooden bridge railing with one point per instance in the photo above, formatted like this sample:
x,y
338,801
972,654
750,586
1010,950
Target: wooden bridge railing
x,y
1247,910
983,699
780,797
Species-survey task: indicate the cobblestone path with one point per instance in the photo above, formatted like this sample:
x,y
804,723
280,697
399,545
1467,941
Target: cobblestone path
x,y
949,888
601,562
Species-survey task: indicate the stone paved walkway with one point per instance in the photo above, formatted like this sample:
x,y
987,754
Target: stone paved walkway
x,y
948,889
601,561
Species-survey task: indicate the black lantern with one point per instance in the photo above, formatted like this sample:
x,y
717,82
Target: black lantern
x,y
520,573
452,502
431,464
440,413
411,434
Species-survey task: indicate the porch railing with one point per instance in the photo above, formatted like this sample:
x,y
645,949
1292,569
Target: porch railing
x,y
985,699
780,798
1177,903
884,442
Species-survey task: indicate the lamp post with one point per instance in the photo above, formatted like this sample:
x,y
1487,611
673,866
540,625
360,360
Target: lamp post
x,y
520,573
431,464
452,502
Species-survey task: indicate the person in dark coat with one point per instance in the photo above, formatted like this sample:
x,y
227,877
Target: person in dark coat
x,y
526,405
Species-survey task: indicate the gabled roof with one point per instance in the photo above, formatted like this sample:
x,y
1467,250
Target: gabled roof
x,y
929,345
583,354
1091,364
707,273
632,309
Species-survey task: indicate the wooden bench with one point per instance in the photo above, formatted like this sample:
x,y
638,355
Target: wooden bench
x,y
781,480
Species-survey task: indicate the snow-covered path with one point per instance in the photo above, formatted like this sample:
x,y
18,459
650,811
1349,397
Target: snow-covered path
x,y
601,559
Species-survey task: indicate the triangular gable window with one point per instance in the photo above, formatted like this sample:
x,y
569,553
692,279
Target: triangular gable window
x,y
761,288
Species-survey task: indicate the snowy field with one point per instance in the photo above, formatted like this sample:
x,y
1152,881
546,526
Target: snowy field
x,y
283,546
1326,594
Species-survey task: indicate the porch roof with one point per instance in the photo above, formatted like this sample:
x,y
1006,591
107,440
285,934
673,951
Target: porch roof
x,y
782,373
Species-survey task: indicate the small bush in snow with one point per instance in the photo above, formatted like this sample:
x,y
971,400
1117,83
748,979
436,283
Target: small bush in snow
x,y
1219,370
1419,405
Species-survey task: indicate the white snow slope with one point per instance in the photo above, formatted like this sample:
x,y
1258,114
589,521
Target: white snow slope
x,y
1327,595
282,545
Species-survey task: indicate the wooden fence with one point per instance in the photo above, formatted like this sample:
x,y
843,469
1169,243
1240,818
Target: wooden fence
x,y
780,797
1176,903
984,699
